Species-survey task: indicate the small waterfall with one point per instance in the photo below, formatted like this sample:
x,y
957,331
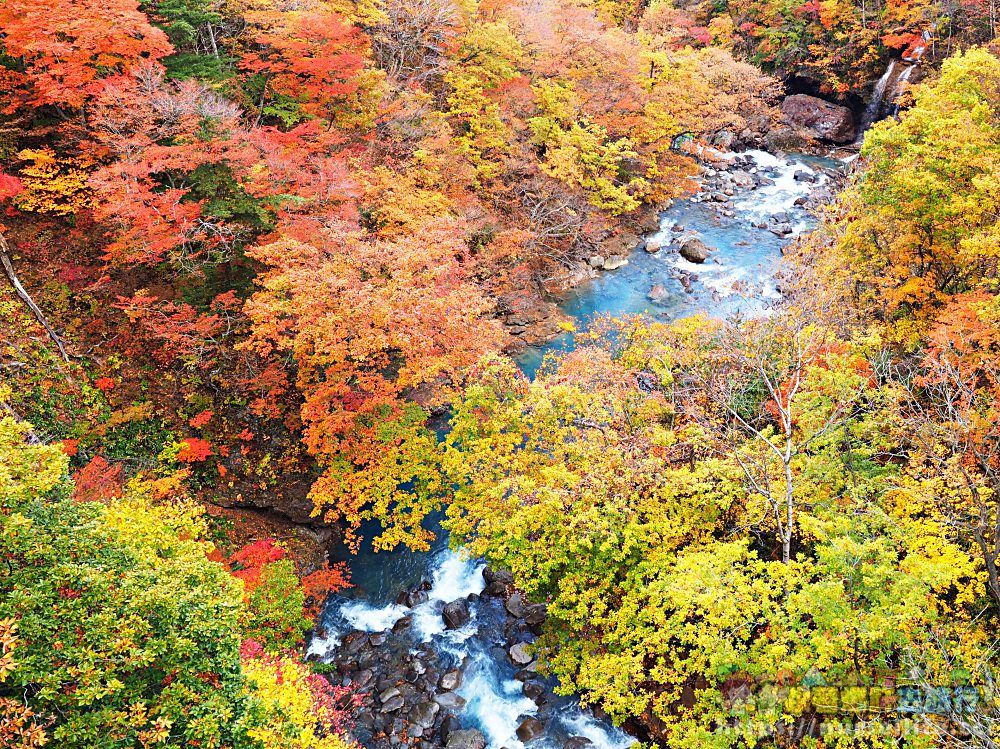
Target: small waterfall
x,y
885,95
874,110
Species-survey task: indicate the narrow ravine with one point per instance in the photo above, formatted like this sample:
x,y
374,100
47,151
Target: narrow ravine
x,y
433,642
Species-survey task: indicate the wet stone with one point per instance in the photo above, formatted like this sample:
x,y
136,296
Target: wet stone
x,y
530,729
577,742
377,639
451,680
520,654
533,689
424,714
515,605
388,694
449,724
535,614
450,701
456,614
403,624
393,703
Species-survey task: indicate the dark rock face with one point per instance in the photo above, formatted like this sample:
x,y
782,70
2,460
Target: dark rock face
x,y
819,118
456,614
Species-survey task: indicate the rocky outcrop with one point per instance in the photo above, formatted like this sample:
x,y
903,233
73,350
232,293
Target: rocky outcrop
x,y
819,118
530,318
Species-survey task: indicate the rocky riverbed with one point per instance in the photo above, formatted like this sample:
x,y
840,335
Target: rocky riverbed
x,y
722,241
450,663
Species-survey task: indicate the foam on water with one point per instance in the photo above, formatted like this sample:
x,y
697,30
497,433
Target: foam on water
x,y
496,705
780,197
360,615
604,736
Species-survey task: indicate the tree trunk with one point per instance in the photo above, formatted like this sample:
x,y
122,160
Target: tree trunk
x,y
8,267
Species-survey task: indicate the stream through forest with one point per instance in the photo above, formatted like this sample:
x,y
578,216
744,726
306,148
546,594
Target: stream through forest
x,y
459,679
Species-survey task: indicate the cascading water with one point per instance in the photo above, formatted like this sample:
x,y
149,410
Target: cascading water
x,y
874,110
363,631
885,95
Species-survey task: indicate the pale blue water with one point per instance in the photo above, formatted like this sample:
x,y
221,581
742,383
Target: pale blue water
x,y
737,277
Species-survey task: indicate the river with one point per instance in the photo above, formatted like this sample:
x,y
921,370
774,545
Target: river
x,y
738,276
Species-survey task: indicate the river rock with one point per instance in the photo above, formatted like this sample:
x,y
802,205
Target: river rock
x,y
451,680
403,624
491,575
596,261
614,262
520,654
533,689
820,118
530,729
577,742
412,598
449,724
377,639
389,694
659,294
466,739
424,714
456,614
694,250
515,605
393,703
654,244
743,179
780,229
450,701
801,175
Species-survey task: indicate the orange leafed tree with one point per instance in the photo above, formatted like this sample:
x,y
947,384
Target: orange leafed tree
x,y
311,61
380,331
67,49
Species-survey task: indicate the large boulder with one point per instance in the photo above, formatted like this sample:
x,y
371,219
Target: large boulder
x,y
819,118
466,739
694,250
530,729
515,605
450,701
450,680
456,614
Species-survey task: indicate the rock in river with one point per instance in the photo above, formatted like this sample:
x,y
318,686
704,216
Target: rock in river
x,y
456,614
451,680
530,729
694,250
659,294
615,262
